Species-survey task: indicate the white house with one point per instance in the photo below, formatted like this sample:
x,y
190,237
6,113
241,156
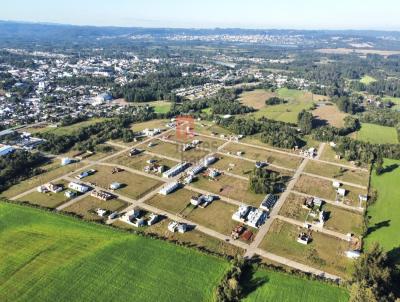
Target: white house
x,y
66,161
209,160
241,213
78,187
256,217
169,188
115,186
336,184
174,171
341,192
6,150
153,219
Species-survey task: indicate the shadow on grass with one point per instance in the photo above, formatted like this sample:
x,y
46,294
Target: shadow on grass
x,y
390,168
377,226
248,281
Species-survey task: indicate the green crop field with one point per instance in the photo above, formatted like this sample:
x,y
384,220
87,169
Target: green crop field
x,y
384,224
47,257
297,101
367,80
276,286
377,134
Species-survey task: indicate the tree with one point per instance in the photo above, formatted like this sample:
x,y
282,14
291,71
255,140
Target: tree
x,y
379,166
263,181
372,277
305,121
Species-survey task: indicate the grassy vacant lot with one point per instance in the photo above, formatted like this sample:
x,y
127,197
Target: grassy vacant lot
x,y
149,124
297,101
193,237
160,106
208,128
174,203
45,257
51,171
377,134
138,162
367,80
324,252
384,222
175,151
324,189
205,142
276,286
230,187
256,98
255,153
66,130
87,205
292,207
135,185
330,114
355,176
343,221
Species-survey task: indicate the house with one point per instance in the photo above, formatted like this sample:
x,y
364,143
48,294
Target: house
x,y
132,217
256,217
70,194
341,192
268,202
241,214
172,226
353,254
134,152
169,188
154,218
201,200
66,161
213,173
303,238
174,171
112,215
49,187
115,186
6,150
308,203
196,170
151,132
78,187
102,195
85,174
209,160
188,179
336,184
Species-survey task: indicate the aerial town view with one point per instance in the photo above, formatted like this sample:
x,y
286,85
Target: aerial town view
x,y
206,151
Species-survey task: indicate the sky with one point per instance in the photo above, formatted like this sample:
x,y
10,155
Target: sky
x,y
293,14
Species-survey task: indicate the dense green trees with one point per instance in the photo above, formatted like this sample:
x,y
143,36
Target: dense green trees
x,y
263,181
305,121
275,101
17,166
372,277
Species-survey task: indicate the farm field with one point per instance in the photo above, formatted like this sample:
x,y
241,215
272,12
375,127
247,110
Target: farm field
x,y
256,98
277,286
366,80
330,114
355,176
324,252
86,206
377,134
138,162
135,186
51,171
161,106
254,153
54,258
297,101
230,187
324,189
384,223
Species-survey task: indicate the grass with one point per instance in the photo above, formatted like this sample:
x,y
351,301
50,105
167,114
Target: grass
x,y
330,114
87,205
205,142
292,208
355,176
298,100
149,124
271,157
46,257
324,252
161,106
138,162
66,130
394,100
135,186
256,98
366,80
174,202
384,223
329,154
230,187
277,286
51,171
377,134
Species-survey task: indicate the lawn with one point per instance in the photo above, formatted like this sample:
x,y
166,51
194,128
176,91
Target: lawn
x,y
298,100
324,189
282,287
161,106
87,205
324,252
135,186
174,202
256,98
355,176
47,257
149,124
366,80
50,170
377,134
230,187
384,222
259,154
